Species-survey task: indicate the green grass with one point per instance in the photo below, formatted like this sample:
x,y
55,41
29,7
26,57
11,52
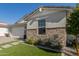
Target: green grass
x,y
26,50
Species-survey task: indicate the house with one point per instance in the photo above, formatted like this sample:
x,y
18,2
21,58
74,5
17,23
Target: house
x,y
17,30
46,21
3,29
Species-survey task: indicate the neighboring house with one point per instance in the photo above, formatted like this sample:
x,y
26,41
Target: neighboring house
x,y
4,29
44,22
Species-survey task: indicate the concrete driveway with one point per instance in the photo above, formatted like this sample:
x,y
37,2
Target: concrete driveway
x,y
6,40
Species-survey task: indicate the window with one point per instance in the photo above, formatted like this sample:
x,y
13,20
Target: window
x,y
41,26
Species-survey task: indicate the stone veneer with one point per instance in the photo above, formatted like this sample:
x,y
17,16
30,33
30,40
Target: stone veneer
x,y
50,32
31,33
61,32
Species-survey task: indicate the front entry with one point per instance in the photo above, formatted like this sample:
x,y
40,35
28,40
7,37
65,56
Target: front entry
x,y
25,32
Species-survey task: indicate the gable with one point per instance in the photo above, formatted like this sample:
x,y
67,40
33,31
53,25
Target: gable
x,y
55,19
38,13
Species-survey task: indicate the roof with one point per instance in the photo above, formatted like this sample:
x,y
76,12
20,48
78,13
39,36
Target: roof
x,y
56,7
61,7
3,25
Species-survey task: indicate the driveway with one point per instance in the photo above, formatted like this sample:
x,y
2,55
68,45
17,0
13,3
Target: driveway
x,y
6,40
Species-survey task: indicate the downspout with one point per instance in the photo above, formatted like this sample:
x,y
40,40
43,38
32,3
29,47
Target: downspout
x,y
66,27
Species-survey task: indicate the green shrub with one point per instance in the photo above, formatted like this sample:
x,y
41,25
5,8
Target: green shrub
x,y
55,43
32,40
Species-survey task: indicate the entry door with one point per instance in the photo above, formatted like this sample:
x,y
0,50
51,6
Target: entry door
x,y
25,33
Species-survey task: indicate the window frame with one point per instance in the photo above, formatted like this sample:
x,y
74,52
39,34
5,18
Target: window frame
x,y
42,27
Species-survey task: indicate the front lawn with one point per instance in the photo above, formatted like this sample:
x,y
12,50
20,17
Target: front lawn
x,y
26,50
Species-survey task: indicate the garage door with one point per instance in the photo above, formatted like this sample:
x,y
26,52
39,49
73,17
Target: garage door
x,y
18,32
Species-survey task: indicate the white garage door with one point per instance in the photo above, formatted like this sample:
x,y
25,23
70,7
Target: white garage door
x,y
18,31
3,31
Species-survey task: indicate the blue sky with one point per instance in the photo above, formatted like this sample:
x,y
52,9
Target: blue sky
x,y
11,12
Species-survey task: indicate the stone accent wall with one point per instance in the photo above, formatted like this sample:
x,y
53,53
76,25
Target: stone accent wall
x,y
31,33
61,32
50,32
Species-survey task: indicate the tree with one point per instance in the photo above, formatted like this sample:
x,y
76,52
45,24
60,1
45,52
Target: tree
x,y
73,25
77,5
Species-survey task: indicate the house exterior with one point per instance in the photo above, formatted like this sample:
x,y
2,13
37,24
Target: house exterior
x,y
42,23
17,30
3,29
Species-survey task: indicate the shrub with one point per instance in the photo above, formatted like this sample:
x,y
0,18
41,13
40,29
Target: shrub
x,y
56,44
32,40
47,42
40,42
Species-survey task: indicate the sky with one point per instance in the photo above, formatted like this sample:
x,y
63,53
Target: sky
x,y
12,12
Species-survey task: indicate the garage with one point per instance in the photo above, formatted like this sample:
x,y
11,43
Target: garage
x,y
17,30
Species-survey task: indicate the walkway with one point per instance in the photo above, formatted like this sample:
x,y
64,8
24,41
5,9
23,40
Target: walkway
x,y
8,45
4,40
69,52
